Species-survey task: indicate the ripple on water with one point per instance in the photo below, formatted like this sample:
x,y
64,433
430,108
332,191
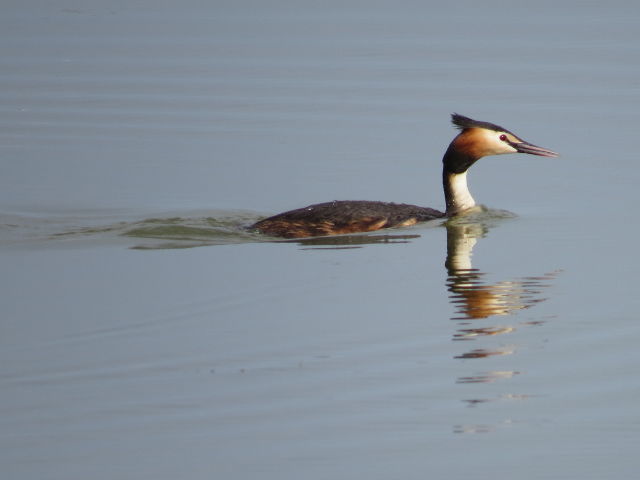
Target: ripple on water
x,y
195,229
181,231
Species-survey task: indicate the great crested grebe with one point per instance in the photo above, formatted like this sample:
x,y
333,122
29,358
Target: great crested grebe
x,y
476,140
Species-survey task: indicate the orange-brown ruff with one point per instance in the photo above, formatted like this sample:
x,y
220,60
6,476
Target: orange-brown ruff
x,y
475,140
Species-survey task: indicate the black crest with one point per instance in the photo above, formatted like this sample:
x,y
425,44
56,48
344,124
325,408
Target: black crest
x,y
462,122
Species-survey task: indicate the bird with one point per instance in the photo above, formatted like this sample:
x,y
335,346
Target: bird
x,y
476,139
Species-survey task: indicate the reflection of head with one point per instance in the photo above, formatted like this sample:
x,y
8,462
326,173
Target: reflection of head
x,y
473,297
475,300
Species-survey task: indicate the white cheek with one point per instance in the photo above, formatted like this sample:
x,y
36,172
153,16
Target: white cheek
x,y
506,148
495,146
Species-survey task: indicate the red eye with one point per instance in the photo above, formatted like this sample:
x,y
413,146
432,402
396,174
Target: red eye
x,y
503,137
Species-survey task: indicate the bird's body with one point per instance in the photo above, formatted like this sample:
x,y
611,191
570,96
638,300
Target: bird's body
x,y
345,216
476,140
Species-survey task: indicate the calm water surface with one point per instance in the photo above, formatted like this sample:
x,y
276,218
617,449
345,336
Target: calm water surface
x,y
147,334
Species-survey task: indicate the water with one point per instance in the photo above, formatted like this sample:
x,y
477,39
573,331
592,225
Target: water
x,y
147,334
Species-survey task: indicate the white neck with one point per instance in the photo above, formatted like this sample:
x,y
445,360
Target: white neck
x,y
456,193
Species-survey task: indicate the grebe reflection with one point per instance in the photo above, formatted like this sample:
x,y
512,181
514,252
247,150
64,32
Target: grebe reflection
x,y
472,296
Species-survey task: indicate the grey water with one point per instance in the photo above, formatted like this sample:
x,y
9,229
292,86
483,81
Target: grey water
x,y
146,333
